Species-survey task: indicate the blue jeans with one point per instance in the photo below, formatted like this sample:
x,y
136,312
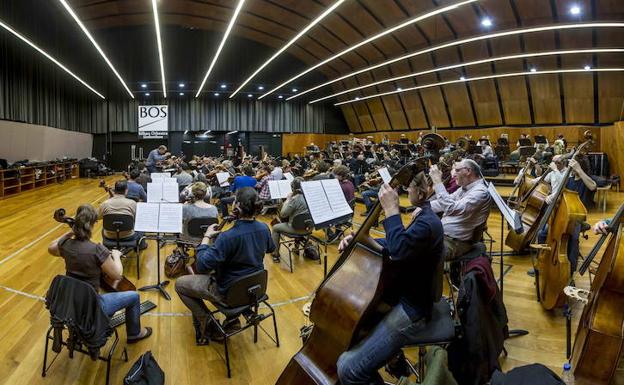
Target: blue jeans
x,y
129,300
358,179
366,197
360,364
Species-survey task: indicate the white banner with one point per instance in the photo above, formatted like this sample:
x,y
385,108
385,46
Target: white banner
x,y
153,122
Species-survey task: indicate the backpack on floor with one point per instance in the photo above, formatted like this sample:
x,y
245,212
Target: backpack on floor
x,y
145,371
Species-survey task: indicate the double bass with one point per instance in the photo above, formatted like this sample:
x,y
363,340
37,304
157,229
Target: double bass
x,y
553,269
600,334
344,307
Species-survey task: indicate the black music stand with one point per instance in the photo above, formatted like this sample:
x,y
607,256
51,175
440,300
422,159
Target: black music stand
x,y
160,285
515,222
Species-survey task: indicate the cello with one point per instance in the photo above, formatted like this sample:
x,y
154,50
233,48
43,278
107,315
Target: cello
x,y
600,334
344,306
552,267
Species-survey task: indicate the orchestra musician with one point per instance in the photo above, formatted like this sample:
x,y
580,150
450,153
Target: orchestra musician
x,y
235,253
359,167
323,171
559,145
135,190
294,205
156,156
240,181
183,176
87,261
119,204
462,211
144,176
199,208
417,252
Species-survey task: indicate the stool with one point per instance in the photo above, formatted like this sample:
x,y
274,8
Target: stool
x,y
440,330
602,193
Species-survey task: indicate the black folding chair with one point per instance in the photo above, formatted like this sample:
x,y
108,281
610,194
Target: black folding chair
x,y
75,344
119,223
244,297
303,225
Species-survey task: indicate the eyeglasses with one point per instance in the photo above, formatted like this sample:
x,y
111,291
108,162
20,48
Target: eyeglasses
x,y
458,169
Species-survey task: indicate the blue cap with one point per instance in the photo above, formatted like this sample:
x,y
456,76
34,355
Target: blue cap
x,y
567,366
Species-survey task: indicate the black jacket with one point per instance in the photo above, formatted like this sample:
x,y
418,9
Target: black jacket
x,y
473,358
75,304
534,374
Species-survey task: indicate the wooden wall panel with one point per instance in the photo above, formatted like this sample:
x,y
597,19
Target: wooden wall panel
x,y
396,112
414,109
378,112
434,103
611,96
612,142
459,105
579,97
351,118
296,143
364,116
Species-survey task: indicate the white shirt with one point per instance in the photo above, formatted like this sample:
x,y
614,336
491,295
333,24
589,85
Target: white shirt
x,y
554,179
277,173
464,210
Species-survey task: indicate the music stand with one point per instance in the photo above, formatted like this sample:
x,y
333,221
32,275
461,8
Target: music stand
x,y
525,142
515,222
159,285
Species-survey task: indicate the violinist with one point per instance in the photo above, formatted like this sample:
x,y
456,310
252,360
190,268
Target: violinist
x,y
462,211
239,182
417,252
144,176
263,183
323,171
294,205
183,176
135,190
359,167
199,208
235,253
155,157
87,261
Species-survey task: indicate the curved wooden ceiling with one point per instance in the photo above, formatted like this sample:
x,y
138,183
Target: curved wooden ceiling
x,y
582,98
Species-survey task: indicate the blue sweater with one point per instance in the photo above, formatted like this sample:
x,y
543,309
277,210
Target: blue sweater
x,y
243,181
236,252
415,253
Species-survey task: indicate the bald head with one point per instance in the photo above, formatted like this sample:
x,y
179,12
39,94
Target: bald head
x,y
466,172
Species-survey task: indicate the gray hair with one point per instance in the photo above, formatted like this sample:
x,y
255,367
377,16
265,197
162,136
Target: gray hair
x,y
474,166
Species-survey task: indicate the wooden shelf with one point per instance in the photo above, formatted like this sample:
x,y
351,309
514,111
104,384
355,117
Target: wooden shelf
x,y
12,182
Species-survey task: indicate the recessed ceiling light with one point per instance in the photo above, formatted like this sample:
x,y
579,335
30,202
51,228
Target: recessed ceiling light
x,y
486,22
533,69
147,94
587,68
143,85
181,93
181,85
462,78
357,98
399,89
216,94
575,10
223,86
280,97
294,90
249,95
260,88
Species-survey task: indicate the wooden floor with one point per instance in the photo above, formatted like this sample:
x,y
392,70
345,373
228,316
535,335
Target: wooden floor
x,y
26,269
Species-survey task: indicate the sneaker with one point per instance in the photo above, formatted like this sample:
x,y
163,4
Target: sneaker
x,y
276,258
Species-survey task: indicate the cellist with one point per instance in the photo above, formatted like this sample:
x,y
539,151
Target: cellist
x,y
417,250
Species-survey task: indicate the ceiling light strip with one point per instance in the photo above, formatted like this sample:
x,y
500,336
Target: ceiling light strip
x,y
580,70
52,59
160,50
372,38
291,42
95,44
468,64
464,41
225,36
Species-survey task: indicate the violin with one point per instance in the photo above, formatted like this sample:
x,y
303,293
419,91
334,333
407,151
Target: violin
x,y
345,305
600,333
107,283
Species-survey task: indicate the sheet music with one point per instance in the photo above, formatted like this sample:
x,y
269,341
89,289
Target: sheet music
x,y
222,177
511,216
154,192
289,177
158,217
170,193
279,189
384,174
157,175
317,201
170,218
337,201
147,217
168,180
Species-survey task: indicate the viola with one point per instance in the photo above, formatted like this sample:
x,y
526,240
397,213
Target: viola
x,y
107,283
345,304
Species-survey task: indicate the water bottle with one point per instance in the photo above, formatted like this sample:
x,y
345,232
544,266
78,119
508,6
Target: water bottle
x,y
567,376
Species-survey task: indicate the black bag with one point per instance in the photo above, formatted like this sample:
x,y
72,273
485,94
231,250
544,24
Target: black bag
x,y
145,371
310,251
